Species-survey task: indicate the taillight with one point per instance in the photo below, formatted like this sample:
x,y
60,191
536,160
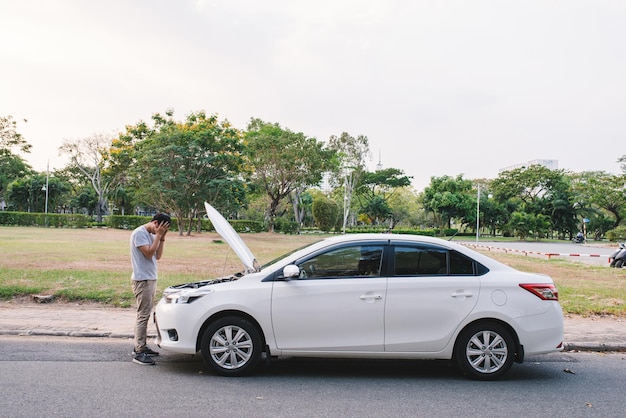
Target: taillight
x,y
542,291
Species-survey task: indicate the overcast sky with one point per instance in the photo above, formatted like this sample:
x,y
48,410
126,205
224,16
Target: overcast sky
x,y
439,87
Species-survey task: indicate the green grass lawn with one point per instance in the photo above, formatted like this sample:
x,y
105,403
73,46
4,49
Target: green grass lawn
x,y
94,265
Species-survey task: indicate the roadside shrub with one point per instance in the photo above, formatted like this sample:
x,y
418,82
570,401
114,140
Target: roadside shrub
x,y
617,234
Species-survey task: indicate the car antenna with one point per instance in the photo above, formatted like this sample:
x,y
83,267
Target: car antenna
x,y
454,235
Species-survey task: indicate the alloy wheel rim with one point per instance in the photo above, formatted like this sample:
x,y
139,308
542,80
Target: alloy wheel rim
x,y
486,352
231,347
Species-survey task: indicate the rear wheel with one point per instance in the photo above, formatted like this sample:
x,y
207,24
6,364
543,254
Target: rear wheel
x,y
619,263
485,351
231,346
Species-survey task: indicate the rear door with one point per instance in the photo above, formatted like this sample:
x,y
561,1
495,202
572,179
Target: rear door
x,y
430,291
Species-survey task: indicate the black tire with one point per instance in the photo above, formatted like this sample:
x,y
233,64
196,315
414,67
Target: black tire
x,y
231,346
619,263
485,351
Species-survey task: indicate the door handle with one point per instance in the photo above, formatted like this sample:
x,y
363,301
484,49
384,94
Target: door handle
x,y
461,294
370,297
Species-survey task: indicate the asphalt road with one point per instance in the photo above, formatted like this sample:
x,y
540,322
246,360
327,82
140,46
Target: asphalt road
x,y
59,376
585,251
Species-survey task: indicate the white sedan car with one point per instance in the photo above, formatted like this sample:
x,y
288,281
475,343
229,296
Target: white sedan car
x,y
364,296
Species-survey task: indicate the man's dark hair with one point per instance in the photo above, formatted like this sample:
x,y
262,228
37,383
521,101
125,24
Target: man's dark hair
x,y
161,217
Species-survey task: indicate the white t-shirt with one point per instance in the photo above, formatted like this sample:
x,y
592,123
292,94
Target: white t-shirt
x,y
143,268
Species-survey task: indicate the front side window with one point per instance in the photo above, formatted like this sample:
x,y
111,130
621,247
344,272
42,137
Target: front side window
x,y
351,261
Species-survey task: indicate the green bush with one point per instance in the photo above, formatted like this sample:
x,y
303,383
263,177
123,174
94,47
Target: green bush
x,y
126,222
238,225
285,226
130,222
245,226
617,234
325,213
57,220
399,231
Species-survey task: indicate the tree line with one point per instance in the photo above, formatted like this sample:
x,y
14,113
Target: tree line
x,y
290,180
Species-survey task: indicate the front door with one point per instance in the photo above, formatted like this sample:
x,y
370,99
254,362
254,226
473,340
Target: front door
x,y
336,305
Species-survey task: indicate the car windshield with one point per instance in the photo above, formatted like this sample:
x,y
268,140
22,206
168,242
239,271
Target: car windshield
x,y
276,260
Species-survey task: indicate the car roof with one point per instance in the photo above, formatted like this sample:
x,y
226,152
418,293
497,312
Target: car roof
x,y
408,238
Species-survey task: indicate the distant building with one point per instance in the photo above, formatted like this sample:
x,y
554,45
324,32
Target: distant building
x,y
550,164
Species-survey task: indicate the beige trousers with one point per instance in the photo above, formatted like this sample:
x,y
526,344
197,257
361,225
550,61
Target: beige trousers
x,y
144,291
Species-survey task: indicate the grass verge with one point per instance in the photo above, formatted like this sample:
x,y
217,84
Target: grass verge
x,y
93,265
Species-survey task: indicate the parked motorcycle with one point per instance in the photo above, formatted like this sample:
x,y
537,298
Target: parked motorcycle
x,y
578,239
618,258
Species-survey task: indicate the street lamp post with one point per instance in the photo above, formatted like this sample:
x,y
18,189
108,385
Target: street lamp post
x,y
46,189
477,212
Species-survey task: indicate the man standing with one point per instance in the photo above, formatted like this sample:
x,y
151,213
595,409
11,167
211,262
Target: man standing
x,y
146,247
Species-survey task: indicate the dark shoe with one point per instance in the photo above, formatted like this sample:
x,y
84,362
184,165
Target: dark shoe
x,y
143,359
147,351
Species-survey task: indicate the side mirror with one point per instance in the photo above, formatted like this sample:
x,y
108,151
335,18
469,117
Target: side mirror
x,y
291,271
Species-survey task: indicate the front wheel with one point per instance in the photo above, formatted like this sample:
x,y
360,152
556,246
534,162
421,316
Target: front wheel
x,y
231,346
485,351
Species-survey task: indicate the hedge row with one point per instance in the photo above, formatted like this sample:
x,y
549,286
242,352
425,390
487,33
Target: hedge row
x,y
57,220
130,222
406,231
69,220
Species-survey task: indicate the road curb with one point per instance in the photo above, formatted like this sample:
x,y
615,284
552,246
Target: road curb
x,y
569,346
620,347
78,334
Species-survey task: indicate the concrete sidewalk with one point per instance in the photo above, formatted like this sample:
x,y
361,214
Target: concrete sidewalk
x,y
73,320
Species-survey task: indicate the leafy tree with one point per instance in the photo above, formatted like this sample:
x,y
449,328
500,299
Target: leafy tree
x,y
27,194
404,206
283,162
352,154
529,184
121,157
377,209
12,165
449,197
78,195
521,224
10,139
21,194
375,190
622,161
85,199
180,165
302,203
603,191
537,190
526,224
87,155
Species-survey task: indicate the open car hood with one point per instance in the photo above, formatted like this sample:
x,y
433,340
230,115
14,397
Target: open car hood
x,y
233,239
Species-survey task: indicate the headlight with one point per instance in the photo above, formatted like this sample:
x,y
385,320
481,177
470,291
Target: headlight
x,y
186,295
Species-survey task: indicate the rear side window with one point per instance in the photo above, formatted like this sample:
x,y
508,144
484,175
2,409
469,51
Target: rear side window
x,y
460,264
428,261
419,261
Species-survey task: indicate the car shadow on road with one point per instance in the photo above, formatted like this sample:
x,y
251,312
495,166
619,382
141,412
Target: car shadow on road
x,y
539,368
